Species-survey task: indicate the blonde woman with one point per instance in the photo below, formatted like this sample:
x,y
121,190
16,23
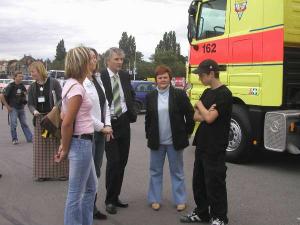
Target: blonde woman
x,y
77,139
41,98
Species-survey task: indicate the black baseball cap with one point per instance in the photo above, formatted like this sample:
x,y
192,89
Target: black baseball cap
x,y
206,66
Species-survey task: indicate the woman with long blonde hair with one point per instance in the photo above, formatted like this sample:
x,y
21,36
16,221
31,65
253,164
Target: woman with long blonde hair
x,y
77,133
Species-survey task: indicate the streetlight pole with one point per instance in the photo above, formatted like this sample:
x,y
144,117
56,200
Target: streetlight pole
x,y
134,66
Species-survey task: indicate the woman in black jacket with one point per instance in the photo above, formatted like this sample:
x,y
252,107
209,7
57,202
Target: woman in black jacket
x,y
42,95
168,124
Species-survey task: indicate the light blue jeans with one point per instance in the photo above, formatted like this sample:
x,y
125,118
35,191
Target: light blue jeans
x,y
82,184
13,121
157,159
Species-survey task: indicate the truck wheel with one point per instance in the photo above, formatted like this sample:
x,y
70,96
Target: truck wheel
x,y
238,149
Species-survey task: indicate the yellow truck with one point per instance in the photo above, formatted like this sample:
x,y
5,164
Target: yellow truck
x,y
257,45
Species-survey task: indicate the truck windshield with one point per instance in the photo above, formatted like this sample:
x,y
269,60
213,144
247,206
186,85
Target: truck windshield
x,y
211,20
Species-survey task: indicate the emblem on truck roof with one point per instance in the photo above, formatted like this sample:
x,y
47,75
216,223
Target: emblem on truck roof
x,y
240,7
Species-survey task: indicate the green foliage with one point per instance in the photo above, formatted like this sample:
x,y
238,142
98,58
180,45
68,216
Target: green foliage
x,y
60,51
127,43
168,52
168,44
145,69
59,61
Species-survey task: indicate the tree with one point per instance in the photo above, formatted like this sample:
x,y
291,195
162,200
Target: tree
x,y
59,61
127,43
168,52
60,51
168,44
145,69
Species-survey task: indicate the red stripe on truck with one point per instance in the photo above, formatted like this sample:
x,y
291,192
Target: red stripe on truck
x,y
259,47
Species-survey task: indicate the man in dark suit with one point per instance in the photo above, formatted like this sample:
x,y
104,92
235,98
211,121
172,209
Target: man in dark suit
x,y
120,96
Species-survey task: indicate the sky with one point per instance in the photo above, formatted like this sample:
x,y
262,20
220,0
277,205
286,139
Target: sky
x,y
34,27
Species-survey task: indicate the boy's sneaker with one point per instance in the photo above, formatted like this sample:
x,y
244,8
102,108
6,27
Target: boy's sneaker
x,y
217,221
194,218
15,142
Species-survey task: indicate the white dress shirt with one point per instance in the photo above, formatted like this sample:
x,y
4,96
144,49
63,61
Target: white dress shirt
x,y
96,110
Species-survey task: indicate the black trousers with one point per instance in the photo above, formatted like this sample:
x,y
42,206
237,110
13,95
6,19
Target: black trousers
x,y
117,151
99,147
209,184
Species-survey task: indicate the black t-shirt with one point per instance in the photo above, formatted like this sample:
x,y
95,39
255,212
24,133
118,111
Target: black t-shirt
x,y
15,95
214,137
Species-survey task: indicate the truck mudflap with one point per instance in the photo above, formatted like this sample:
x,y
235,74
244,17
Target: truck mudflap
x,y
282,131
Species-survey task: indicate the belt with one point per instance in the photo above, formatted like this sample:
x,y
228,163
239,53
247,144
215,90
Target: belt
x,y
84,136
114,117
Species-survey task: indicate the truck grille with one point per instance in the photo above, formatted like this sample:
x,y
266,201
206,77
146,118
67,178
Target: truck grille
x,y
275,131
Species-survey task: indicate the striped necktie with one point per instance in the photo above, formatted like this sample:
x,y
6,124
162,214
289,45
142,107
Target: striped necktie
x,y
116,96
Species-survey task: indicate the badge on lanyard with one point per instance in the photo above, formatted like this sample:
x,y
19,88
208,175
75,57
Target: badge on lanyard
x,y
41,99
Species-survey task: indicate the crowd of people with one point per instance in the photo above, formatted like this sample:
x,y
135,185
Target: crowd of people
x,y
97,109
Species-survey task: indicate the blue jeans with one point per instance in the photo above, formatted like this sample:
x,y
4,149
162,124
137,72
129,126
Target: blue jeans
x,y
157,159
82,184
13,121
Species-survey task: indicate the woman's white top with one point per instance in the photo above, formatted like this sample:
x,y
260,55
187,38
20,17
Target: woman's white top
x,y
96,110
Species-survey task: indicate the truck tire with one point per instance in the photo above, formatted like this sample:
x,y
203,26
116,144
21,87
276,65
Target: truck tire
x,y
238,149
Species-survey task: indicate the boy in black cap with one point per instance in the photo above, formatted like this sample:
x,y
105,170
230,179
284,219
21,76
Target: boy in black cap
x,y
213,110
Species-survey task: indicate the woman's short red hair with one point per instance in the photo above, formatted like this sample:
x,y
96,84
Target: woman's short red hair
x,y
161,69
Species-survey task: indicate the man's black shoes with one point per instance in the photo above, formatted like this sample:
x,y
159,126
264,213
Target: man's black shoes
x,y
121,204
111,209
99,216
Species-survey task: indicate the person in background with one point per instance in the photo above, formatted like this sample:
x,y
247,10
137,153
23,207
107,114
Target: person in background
x,y
77,131
101,118
213,110
120,96
42,95
168,125
14,99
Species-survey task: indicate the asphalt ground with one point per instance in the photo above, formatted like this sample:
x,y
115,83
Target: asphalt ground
x,y
265,191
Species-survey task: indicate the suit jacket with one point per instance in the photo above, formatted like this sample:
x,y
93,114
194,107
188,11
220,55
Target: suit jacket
x,y
181,114
129,93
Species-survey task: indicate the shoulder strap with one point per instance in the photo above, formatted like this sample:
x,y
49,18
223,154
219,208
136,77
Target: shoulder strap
x,y
60,101
69,90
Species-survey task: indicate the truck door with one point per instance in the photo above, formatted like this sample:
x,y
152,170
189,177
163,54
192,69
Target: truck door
x,y
211,36
246,32
209,40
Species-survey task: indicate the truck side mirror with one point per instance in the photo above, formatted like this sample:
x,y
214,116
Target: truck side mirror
x,y
192,21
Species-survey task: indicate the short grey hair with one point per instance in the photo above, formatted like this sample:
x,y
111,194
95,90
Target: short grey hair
x,y
108,54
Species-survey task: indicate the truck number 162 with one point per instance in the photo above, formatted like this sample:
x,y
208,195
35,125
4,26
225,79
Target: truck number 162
x,y
209,48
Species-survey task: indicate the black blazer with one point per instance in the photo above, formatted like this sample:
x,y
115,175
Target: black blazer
x,y
181,114
129,93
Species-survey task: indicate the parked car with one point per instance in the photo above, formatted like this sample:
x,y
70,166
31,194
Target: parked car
x,y
27,83
58,75
141,88
4,83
